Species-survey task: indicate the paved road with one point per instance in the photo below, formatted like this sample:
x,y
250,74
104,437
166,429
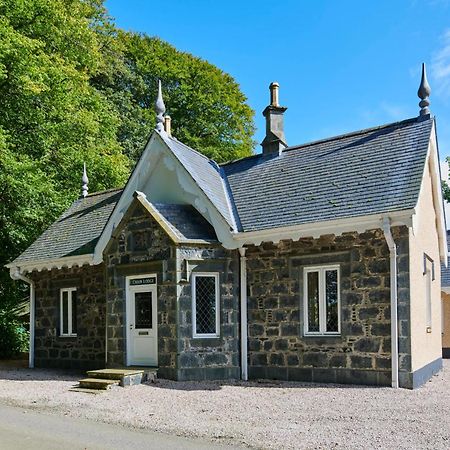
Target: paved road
x,y
28,429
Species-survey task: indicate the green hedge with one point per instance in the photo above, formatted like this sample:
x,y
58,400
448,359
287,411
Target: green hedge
x,y
14,338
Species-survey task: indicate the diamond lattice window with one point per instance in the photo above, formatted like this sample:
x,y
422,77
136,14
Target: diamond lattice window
x,y
322,301
206,304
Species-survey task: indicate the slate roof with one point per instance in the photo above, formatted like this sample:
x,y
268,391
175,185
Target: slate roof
x,y
445,271
186,222
377,170
207,174
76,232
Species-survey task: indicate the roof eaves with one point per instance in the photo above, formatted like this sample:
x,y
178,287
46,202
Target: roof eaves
x,y
165,139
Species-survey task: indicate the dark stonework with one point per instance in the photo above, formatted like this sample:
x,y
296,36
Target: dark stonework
x,y
209,358
87,349
140,246
278,347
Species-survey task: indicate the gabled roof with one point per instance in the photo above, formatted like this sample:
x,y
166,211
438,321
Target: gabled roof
x,y
183,223
377,170
76,232
208,175
316,186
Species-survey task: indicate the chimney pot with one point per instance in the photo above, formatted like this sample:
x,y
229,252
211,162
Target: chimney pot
x,y
168,125
274,88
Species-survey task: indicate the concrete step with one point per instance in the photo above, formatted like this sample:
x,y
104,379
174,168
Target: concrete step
x,y
113,374
97,383
126,377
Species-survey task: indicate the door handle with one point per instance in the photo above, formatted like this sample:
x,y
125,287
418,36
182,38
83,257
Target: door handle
x,y
131,326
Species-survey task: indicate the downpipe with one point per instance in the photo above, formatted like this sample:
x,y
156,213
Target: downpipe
x,y
16,275
394,299
243,308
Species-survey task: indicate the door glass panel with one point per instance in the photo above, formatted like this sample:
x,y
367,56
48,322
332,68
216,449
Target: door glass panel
x,y
143,310
313,301
331,300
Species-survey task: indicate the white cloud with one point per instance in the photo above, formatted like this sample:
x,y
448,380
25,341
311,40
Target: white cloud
x,y
440,66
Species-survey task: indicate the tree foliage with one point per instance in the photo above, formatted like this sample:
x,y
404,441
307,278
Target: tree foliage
x,y
74,89
208,110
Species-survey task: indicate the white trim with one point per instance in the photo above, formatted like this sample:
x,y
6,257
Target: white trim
x,y
316,229
49,264
69,312
18,276
142,288
321,269
142,173
432,164
214,275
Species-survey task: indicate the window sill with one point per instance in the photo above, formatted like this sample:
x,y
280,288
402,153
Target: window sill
x,y
68,335
205,336
322,335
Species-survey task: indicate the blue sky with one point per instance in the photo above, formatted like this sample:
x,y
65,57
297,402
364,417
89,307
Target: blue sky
x,y
341,65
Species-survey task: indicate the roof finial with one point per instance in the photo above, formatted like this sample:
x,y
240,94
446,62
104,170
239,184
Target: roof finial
x,y
84,181
160,109
424,92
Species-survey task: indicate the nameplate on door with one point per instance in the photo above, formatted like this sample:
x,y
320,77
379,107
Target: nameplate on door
x,y
142,281
143,333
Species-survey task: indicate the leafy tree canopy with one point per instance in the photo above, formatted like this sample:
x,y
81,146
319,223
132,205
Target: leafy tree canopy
x,y
74,89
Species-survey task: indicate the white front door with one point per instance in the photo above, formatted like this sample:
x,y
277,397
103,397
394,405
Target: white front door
x,y
142,332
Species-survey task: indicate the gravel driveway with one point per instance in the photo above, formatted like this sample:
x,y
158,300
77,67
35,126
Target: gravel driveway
x,y
263,415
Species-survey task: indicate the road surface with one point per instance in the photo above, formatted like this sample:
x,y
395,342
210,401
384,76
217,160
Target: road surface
x,y
29,429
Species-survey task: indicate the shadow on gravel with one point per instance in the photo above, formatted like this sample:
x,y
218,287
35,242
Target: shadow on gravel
x,y
25,374
261,384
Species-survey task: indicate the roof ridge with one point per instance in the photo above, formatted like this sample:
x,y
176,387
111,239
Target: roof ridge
x,y
93,194
334,138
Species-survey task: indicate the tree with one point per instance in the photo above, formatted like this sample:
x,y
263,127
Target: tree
x,y
208,110
51,120
74,89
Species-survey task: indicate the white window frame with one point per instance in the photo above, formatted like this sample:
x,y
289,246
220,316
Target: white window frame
x,y
69,311
322,298
428,272
214,275
428,298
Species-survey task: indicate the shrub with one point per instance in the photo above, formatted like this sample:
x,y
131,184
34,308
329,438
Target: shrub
x,y
14,338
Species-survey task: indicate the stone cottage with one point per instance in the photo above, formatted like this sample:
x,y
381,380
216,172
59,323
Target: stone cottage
x,y
313,262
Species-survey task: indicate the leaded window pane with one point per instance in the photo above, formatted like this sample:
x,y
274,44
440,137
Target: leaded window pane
x,y
65,312
331,300
313,301
143,310
205,304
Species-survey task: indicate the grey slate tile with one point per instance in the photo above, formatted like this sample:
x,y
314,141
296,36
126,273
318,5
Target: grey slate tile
x,y
76,232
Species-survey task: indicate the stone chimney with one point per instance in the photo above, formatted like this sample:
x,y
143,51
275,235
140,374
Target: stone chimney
x,y
274,142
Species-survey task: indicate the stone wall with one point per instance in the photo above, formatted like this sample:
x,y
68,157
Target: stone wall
x,y
209,358
278,347
87,349
140,246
